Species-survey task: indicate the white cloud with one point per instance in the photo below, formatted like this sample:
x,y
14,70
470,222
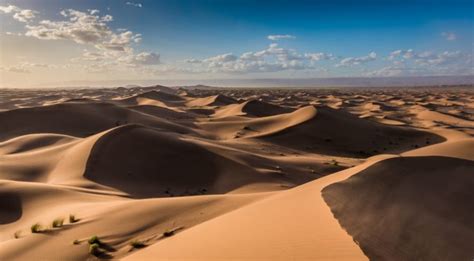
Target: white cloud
x,y
11,33
113,49
15,69
353,61
276,37
319,56
406,54
444,58
81,28
25,67
139,5
281,54
427,58
395,70
409,62
24,15
192,60
144,58
271,59
21,15
92,56
223,58
9,9
450,36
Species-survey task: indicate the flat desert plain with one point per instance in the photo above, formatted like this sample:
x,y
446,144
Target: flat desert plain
x,y
196,173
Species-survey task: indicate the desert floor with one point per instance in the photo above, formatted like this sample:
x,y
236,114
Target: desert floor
x,y
158,173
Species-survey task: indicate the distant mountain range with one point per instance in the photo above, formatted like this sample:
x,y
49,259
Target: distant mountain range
x,y
284,82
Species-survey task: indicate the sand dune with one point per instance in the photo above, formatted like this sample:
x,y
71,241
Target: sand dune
x,y
215,100
427,205
272,229
233,174
244,127
76,119
158,167
253,108
327,133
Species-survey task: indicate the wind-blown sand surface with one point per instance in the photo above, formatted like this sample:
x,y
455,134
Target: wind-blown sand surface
x,y
159,173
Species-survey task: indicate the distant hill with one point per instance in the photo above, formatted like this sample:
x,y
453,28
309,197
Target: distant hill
x,y
279,82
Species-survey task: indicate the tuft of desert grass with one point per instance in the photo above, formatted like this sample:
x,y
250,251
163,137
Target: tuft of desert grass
x,y
36,228
94,249
94,240
58,222
17,234
168,233
137,244
72,218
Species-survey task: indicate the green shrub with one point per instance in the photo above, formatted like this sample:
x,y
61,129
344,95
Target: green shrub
x,y
73,219
58,222
94,240
137,244
94,249
168,233
36,228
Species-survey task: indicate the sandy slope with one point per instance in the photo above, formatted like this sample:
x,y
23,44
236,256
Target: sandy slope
x,y
237,174
295,224
427,215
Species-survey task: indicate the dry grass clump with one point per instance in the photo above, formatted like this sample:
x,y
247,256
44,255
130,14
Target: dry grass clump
x,y
36,228
58,222
137,244
73,219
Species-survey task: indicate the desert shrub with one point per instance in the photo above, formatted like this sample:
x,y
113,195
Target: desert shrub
x,y
73,219
17,234
137,244
76,242
94,249
168,233
94,240
58,222
36,228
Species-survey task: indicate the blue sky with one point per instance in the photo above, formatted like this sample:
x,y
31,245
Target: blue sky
x,y
207,38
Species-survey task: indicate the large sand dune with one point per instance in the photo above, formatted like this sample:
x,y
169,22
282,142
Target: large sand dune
x,y
160,173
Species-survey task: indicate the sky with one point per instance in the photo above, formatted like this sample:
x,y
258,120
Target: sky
x,y
60,42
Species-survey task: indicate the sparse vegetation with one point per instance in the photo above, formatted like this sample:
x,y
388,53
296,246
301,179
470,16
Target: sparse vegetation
x,y
73,219
335,163
76,242
94,240
58,222
168,233
94,249
137,244
17,234
36,228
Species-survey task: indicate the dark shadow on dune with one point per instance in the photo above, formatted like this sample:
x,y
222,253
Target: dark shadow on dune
x,y
339,133
416,208
10,207
144,162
